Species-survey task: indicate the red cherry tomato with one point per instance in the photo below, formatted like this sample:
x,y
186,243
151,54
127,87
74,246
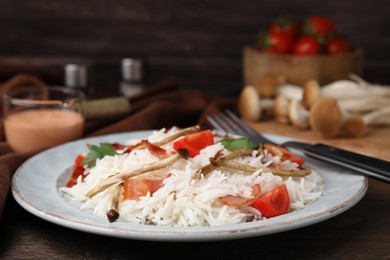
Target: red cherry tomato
x,y
337,45
276,43
274,203
287,26
319,26
306,45
194,143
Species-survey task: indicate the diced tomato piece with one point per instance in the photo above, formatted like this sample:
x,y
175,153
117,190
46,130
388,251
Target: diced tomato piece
x,y
235,201
284,154
154,185
194,143
78,170
182,144
133,189
274,203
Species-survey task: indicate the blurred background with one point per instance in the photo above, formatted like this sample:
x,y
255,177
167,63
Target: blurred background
x,y
200,42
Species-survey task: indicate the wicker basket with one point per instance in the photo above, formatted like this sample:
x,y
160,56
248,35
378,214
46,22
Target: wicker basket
x,y
297,70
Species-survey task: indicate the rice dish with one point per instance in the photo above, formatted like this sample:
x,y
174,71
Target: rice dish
x,y
187,199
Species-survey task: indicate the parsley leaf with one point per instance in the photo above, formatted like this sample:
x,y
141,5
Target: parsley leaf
x,y
98,152
239,143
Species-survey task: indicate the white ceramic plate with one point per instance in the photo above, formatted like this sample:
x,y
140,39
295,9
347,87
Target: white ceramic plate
x,y
36,183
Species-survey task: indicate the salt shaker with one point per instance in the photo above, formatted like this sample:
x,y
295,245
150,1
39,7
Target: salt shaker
x,y
76,76
132,77
94,109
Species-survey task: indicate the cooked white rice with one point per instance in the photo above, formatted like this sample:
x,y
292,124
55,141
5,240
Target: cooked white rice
x,y
185,201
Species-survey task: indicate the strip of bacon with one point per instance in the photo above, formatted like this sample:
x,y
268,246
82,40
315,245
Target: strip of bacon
x,y
156,150
235,201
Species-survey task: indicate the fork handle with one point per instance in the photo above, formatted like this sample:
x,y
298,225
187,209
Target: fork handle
x,y
367,165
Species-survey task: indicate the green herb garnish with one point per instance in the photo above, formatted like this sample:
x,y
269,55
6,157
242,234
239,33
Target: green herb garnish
x,y
98,152
239,143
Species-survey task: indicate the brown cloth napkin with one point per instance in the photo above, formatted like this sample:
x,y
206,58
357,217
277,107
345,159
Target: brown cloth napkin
x,y
161,105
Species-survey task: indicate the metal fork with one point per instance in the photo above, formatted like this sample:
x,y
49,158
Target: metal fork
x,y
229,123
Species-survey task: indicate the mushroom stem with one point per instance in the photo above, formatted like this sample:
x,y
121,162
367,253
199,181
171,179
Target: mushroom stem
x,y
378,118
281,105
364,104
356,125
290,91
348,89
298,115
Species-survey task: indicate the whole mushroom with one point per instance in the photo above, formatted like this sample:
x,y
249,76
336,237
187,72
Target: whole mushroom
x,y
267,84
251,106
325,117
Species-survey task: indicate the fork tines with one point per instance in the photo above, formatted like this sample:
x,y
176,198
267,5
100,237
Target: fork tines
x,y
229,123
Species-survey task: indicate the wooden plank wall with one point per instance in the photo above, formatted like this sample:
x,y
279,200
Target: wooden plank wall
x,y
199,41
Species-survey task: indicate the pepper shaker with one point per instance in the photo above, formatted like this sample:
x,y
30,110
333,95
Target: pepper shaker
x,y
132,77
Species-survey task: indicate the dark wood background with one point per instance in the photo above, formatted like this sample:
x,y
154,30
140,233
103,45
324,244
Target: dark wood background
x,y
198,41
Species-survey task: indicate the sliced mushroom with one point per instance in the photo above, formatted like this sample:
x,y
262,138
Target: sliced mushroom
x,y
275,171
225,161
113,213
215,160
119,177
180,133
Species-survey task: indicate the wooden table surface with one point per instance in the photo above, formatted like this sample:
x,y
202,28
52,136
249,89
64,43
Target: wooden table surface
x,y
362,232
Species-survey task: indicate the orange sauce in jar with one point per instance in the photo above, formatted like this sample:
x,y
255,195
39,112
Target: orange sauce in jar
x,y
33,130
